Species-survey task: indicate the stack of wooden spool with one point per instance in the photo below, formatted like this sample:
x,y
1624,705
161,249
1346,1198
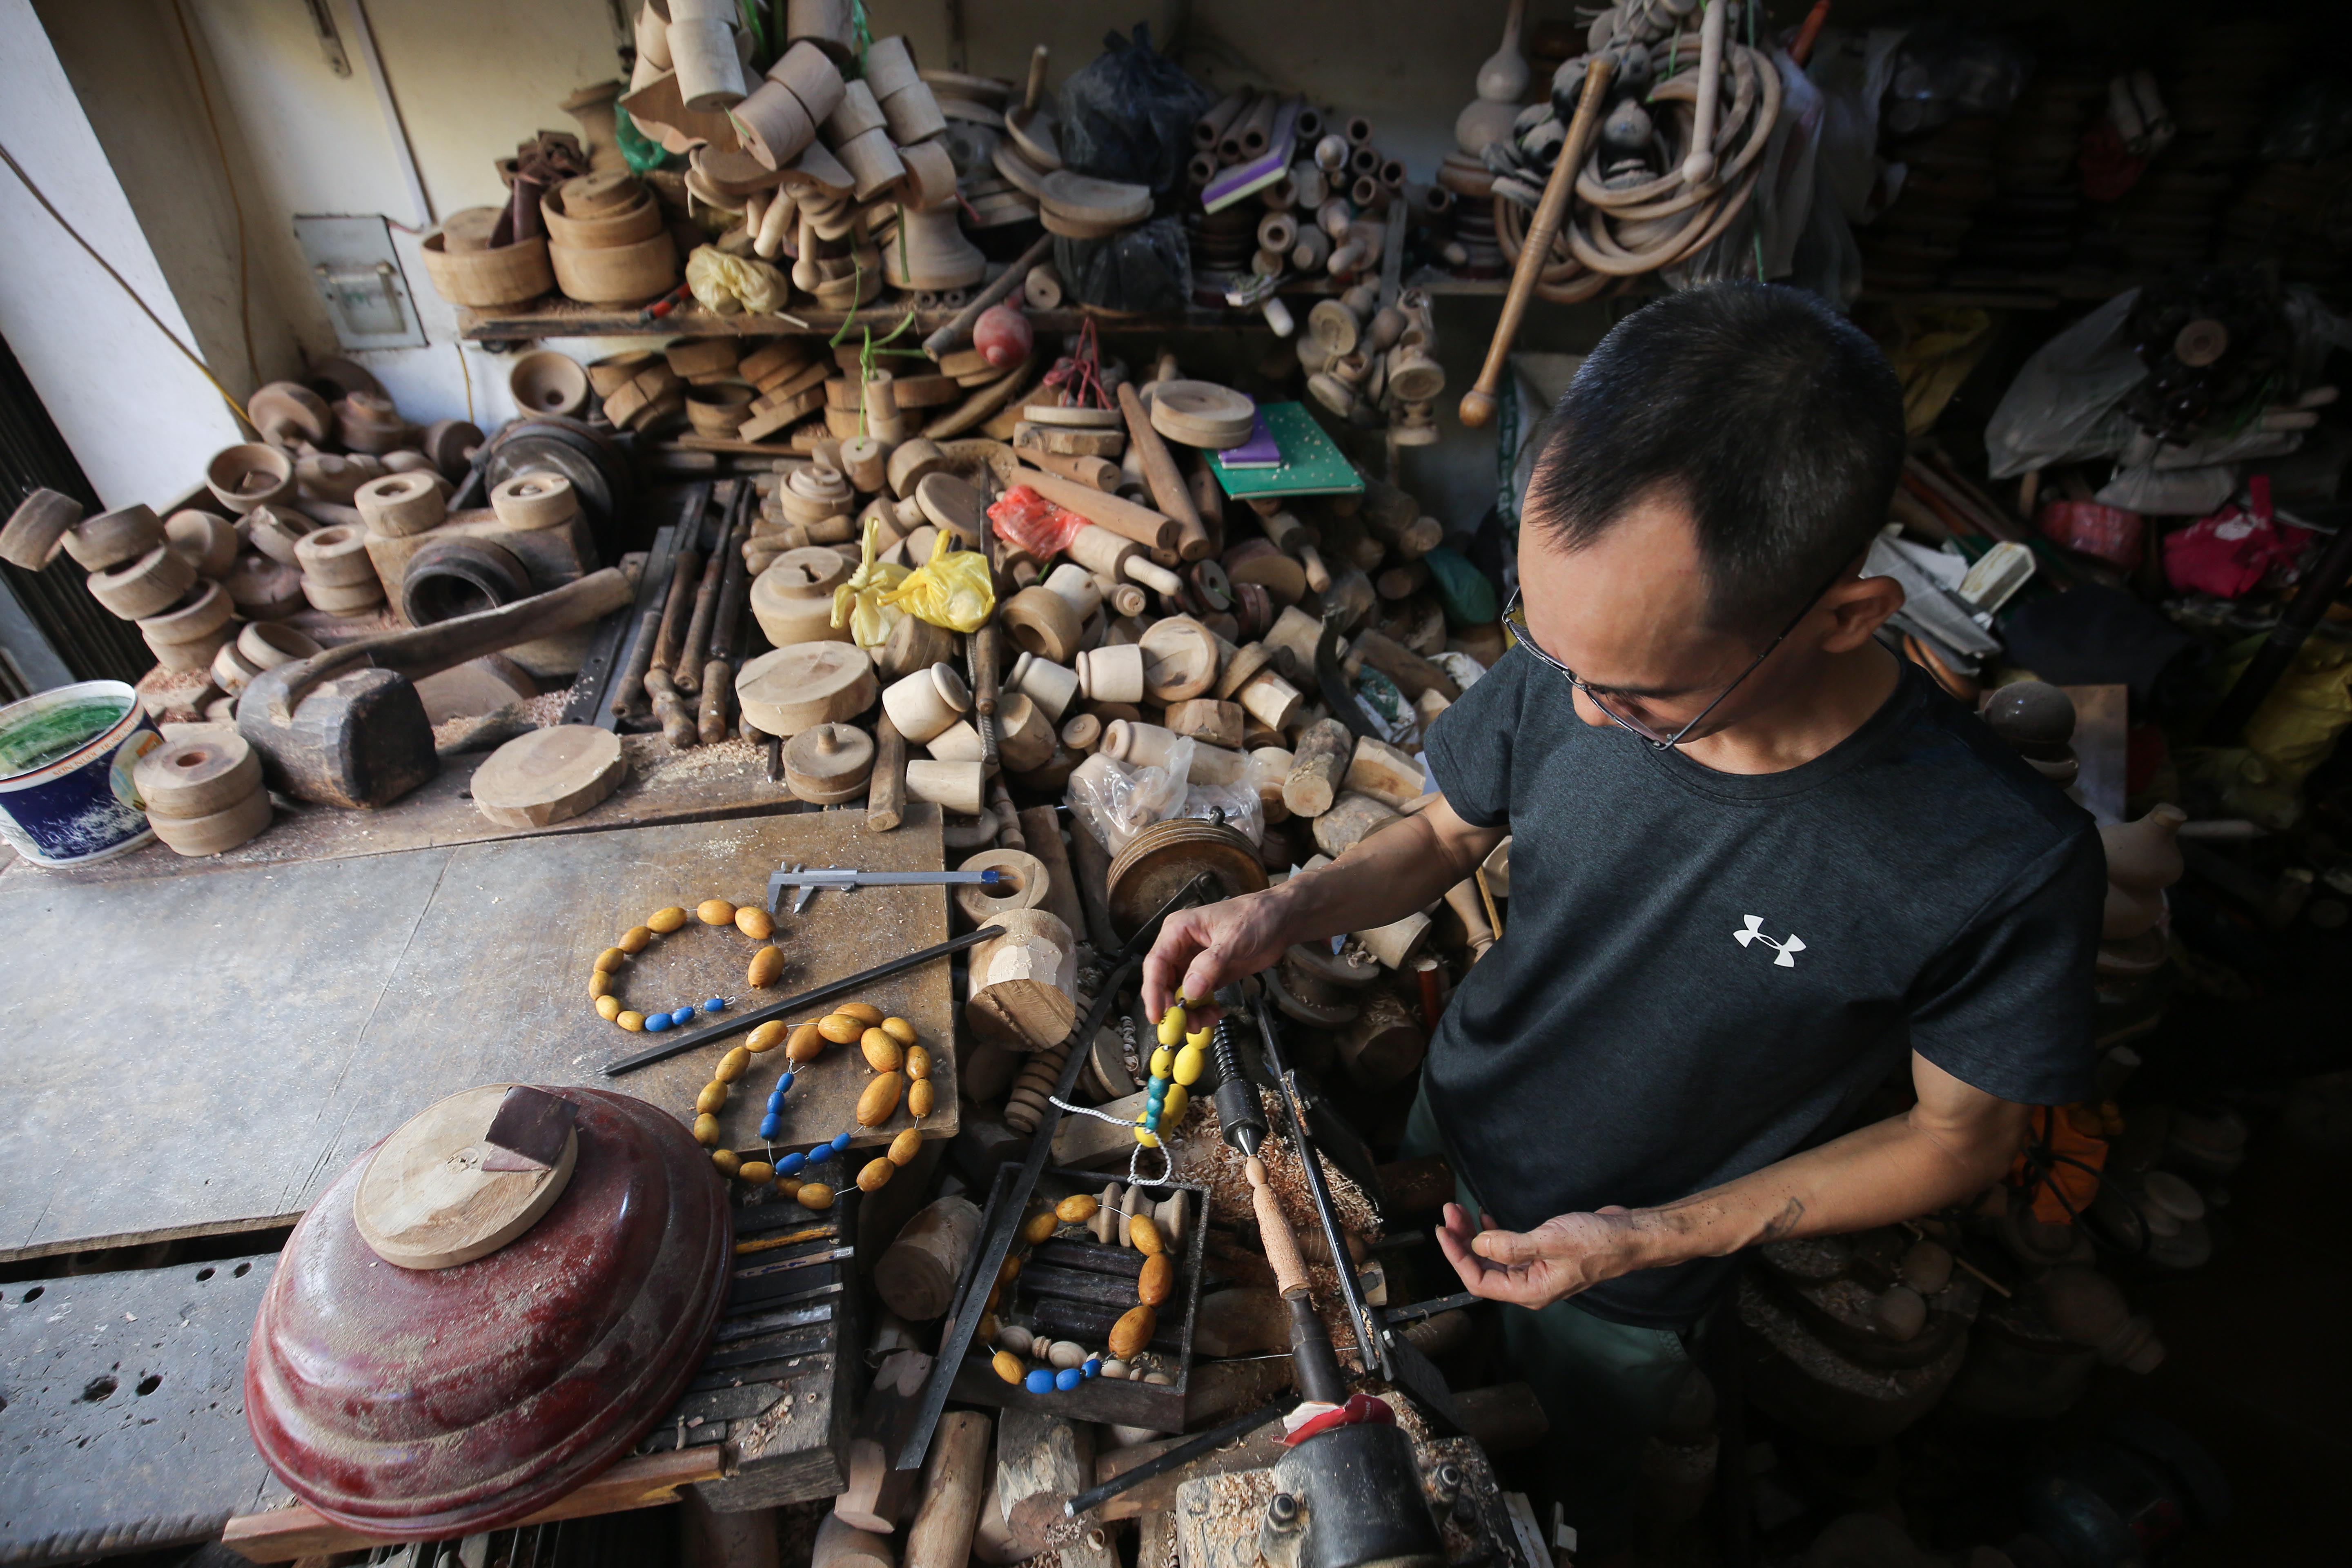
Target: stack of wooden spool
x,y
203,790
1375,364
608,241
337,575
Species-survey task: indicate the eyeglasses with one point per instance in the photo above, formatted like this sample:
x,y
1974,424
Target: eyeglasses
x,y
1514,616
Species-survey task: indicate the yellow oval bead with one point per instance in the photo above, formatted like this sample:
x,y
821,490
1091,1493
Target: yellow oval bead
x,y
1162,1061
612,958
767,1036
665,921
754,921
599,984
1172,1107
608,1006
1075,1209
705,1130
633,1022
883,1051
635,938
814,1196
715,913
899,1030
1008,1367
918,1062
713,1098
864,1013
766,965
733,1064
920,1096
758,1173
877,1173
728,1161
906,1146
841,1028
1171,1027
1008,1272
1189,1062
1040,1227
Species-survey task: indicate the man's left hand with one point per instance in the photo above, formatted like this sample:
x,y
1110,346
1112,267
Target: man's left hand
x,y
1567,1254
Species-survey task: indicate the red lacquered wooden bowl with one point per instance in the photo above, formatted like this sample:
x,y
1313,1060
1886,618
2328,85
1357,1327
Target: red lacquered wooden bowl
x,y
417,1404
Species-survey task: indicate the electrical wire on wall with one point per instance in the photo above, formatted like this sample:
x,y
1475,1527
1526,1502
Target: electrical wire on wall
x,y
120,282
228,177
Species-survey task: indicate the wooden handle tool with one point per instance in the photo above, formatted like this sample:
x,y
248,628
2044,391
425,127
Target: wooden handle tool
x,y
1478,403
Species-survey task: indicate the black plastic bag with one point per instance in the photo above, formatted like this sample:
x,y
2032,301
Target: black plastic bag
x,y
1128,114
1149,268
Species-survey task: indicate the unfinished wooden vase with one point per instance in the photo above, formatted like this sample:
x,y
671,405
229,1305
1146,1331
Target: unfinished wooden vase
x,y
931,251
928,703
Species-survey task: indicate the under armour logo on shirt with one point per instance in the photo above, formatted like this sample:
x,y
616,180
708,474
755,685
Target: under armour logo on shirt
x,y
1786,951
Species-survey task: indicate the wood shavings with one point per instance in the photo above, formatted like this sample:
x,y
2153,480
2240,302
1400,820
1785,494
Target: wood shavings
x,y
748,1440
1201,1156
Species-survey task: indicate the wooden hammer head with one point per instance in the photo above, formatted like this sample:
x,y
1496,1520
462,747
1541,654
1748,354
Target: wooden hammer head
x,y
358,739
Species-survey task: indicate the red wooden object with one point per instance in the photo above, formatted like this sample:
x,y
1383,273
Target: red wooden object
x,y
421,1404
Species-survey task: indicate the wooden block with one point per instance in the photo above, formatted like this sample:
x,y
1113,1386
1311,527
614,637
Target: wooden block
x,y
1206,719
1387,774
955,1474
1319,766
918,1273
550,776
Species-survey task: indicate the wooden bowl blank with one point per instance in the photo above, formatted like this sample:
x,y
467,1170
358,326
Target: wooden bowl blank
x,y
111,538
509,275
638,219
546,381
617,275
719,410
250,475
209,543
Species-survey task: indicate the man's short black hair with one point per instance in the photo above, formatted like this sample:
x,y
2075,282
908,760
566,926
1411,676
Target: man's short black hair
x,y
1775,419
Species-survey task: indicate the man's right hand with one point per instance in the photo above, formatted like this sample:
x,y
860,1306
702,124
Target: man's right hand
x,y
1202,949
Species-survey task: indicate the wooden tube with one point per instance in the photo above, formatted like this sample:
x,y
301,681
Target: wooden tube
x,y
1167,489
1229,144
1152,530
1209,129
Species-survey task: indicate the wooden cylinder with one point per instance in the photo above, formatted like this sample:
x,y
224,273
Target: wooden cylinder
x,y
1320,764
916,1274
1351,818
885,792
953,1477
927,704
954,787
1052,686
1113,673
840,1544
1152,530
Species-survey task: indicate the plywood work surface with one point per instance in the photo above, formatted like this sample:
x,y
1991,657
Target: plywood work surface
x,y
205,1053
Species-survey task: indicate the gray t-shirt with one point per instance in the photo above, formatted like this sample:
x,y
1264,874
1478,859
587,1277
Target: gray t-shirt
x,y
1704,972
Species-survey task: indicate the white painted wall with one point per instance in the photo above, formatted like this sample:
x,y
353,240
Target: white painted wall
x,y
139,418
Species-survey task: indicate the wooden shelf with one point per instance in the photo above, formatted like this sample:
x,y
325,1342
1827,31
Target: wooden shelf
x,y
555,318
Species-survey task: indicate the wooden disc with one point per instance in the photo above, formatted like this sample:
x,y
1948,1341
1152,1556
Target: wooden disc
x,y
221,831
1179,658
1202,414
1161,861
1076,419
197,775
424,1200
953,505
548,775
829,764
807,684
1081,198
1025,174
1024,886
1038,137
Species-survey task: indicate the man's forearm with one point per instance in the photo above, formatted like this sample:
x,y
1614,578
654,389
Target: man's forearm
x,y
1399,870
1890,1171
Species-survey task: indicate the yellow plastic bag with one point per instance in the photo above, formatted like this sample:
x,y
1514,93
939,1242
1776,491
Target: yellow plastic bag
x,y
732,284
860,603
952,589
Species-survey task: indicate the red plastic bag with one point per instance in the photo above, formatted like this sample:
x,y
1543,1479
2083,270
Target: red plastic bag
x,y
2106,532
1027,521
2235,550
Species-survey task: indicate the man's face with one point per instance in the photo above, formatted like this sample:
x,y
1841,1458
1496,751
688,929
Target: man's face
x,y
1628,613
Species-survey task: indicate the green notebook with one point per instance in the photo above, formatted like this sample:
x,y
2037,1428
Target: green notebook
x,y
1310,466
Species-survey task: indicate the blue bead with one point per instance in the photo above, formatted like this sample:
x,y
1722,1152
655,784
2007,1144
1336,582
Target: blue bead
x,y
841,1143
771,1124
657,1022
820,1154
1039,1381
784,1082
791,1164
715,1005
1152,1120
1068,1378
1093,1366
776,1103
1158,1094
682,1017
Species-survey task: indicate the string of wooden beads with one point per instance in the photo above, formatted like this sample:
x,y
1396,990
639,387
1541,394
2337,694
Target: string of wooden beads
x,y
1173,1072
901,1067
754,921
1128,1337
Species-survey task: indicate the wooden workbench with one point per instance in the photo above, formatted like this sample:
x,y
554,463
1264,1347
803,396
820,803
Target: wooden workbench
x,y
203,1051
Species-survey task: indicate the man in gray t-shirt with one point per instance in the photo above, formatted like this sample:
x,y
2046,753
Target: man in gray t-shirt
x,y
1757,860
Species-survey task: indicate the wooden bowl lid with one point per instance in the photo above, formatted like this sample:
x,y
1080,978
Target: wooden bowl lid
x,y
424,1405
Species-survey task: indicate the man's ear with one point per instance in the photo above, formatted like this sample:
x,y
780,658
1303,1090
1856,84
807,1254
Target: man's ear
x,y
1857,607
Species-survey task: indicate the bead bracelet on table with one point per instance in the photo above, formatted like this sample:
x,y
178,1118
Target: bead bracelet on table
x,y
901,1065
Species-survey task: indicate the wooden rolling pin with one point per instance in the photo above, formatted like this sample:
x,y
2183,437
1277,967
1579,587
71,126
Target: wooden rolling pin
x,y
1478,403
1167,488
1152,530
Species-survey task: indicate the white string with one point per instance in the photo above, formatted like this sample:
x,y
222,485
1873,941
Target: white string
x,y
1134,1160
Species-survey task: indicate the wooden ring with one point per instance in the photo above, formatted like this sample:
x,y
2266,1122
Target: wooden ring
x,y
343,599
36,531
266,645
400,504
337,557
221,831
111,538
535,500
197,777
146,586
205,612
1043,623
205,541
